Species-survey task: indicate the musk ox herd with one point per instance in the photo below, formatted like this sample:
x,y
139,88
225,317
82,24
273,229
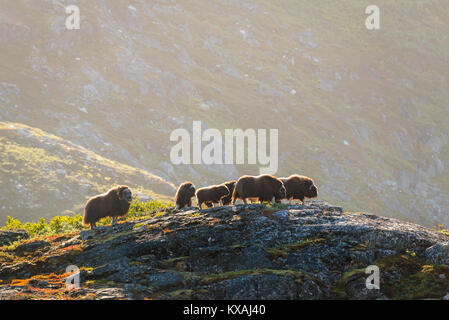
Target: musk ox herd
x,y
115,202
260,188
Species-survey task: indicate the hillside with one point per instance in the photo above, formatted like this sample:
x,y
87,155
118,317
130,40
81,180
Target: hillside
x,y
300,252
363,112
44,175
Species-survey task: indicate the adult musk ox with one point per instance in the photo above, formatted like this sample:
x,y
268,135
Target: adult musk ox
x,y
299,187
264,187
212,194
184,194
114,203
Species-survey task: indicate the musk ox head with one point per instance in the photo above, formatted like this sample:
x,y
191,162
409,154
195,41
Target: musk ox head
x,y
222,191
190,191
184,194
281,193
124,193
230,185
311,190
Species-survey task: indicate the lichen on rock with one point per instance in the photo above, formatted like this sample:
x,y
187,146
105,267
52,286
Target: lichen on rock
x,y
312,251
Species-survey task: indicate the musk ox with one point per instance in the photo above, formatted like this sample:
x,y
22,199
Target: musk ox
x,y
184,194
299,187
114,203
264,187
230,185
212,194
226,200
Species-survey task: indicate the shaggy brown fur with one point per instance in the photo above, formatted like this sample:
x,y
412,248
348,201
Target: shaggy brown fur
x,y
227,200
265,187
114,203
212,194
184,194
299,187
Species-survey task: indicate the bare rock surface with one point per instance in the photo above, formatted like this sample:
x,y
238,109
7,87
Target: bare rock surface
x,y
316,251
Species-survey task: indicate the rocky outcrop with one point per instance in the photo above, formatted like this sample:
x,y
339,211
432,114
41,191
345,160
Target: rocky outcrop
x,y
6,237
254,252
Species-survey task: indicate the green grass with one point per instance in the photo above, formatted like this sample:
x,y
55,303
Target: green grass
x,y
285,249
211,278
67,224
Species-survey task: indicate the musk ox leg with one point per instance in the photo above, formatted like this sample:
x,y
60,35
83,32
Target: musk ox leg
x,y
220,203
92,226
114,220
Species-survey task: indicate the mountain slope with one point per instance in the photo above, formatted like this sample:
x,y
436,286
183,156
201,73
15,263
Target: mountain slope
x,y
43,175
363,112
301,252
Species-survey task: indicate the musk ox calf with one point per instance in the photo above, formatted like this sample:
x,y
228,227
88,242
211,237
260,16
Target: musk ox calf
x,y
299,187
184,194
114,203
264,187
212,194
227,199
